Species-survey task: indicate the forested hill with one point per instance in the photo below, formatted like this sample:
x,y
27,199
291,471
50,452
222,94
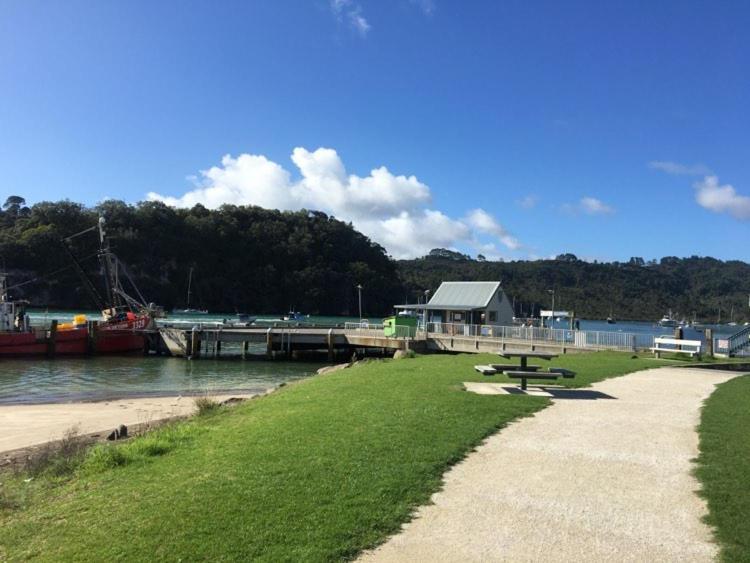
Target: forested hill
x,y
635,290
245,258
261,261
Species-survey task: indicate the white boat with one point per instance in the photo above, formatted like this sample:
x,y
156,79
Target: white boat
x,y
188,310
668,321
245,318
293,316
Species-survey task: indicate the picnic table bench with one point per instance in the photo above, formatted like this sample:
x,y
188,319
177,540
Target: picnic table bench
x,y
551,374
524,371
524,376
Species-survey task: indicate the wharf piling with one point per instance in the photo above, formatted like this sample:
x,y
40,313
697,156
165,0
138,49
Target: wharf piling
x,y
52,340
273,342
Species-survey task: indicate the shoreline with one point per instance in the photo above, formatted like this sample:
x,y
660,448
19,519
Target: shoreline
x,y
74,400
31,425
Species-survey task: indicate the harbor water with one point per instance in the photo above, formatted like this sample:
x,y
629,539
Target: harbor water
x,y
108,377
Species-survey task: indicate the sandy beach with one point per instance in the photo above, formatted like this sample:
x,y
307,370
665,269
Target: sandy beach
x,y
22,426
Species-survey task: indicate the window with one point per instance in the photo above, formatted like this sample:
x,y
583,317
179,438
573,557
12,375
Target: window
x,y
493,316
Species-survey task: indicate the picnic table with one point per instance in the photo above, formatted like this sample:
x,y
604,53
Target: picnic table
x,y
526,372
524,355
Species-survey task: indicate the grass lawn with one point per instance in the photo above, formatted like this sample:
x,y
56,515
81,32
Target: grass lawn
x,y
318,471
724,466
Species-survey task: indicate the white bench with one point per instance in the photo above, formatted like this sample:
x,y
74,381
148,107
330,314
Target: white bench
x,y
676,346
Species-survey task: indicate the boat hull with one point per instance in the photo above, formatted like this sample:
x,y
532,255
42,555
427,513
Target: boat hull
x,y
110,337
122,336
67,343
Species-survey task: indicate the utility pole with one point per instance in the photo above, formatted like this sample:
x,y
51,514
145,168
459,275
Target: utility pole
x,y
552,316
359,291
426,299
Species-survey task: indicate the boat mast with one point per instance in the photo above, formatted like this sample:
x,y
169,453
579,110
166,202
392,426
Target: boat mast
x,y
94,294
190,281
110,267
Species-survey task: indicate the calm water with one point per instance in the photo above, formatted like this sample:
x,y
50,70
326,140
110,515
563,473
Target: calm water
x,y
645,328
108,377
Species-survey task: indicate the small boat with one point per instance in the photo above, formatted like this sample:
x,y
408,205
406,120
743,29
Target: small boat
x,y
668,321
732,322
188,310
610,321
293,316
245,318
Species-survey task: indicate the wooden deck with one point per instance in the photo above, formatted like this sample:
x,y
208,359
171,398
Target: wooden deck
x,y
273,342
276,341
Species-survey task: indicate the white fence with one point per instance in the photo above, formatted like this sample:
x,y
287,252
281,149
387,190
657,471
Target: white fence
x,y
590,339
594,339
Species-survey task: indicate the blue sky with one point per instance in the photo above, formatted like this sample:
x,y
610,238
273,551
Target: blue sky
x,y
517,129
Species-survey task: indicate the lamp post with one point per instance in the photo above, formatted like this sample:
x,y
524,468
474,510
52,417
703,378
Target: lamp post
x,y
359,292
552,316
426,299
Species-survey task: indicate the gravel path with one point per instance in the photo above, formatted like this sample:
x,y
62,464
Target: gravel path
x,y
583,480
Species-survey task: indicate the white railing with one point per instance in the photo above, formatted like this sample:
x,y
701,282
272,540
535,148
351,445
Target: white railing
x,y
598,339
589,339
364,328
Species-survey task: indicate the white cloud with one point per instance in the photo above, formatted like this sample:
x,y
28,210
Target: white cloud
x,y
350,12
593,206
721,199
528,202
391,209
589,206
427,6
708,192
486,223
677,169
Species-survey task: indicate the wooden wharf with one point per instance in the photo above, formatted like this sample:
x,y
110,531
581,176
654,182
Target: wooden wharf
x,y
278,341
284,341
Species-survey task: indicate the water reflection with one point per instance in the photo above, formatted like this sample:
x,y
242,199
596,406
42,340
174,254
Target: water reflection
x,y
98,378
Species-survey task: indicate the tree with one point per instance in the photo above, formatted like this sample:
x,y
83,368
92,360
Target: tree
x,y
636,261
567,257
481,258
445,253
15,205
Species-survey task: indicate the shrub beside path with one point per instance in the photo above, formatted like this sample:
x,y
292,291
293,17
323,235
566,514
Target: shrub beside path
x,y
584,479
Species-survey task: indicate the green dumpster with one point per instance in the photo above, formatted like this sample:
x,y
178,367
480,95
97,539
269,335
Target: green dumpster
x,y
399,327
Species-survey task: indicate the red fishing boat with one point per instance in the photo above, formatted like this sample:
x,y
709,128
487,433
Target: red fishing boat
x,y
125,319
19,338
122,328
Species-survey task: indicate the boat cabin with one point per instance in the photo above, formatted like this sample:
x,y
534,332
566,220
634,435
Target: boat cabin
x,y
13,317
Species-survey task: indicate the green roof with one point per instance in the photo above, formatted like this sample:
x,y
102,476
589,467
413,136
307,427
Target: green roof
x,y
468,295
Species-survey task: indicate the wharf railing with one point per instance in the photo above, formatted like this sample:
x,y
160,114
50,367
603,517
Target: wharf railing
x,y
738,344
588,339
